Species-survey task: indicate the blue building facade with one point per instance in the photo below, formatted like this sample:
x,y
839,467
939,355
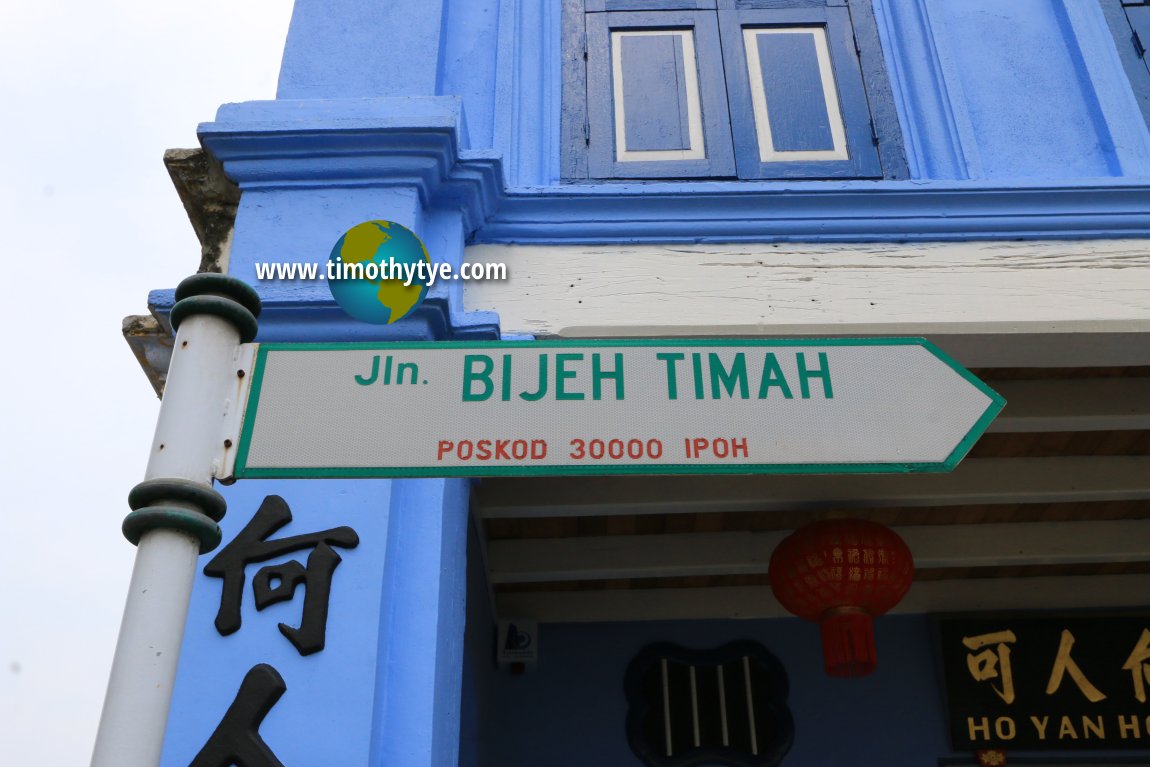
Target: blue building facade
x,y
975,172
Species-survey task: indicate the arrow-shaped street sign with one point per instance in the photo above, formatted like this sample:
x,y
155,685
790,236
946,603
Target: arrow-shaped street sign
x,y
609,407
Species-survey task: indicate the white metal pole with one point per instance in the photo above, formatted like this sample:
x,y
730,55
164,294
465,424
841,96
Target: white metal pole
x,y
174,521
144,668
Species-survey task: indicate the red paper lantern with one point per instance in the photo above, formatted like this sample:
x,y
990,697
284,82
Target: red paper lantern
x,y
842,573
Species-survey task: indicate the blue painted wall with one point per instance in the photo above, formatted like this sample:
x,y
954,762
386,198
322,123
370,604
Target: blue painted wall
x,y
1023,82
468,64
570,711
1027,89
386,687
333,689
479,676
356,49
1021,90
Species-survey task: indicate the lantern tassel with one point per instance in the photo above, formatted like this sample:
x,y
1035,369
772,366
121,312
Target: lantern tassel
x,y
848,642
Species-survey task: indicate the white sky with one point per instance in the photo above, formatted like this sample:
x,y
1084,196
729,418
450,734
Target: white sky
x,y
90,96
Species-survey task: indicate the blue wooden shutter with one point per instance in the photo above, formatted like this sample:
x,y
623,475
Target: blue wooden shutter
x,y
1130,24
797,101
656,101
649,5
1139,16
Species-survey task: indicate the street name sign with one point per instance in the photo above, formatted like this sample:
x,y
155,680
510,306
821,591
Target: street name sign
x,y
735,406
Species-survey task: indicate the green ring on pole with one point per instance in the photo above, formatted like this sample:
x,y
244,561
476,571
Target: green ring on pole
x,y
155,492
213,284
219,306
198,525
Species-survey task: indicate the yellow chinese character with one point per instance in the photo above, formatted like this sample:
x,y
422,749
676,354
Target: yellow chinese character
x,y
1064,664
992,663
1138,666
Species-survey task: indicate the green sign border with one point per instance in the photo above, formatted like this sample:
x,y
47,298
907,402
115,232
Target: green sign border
x,y
243,472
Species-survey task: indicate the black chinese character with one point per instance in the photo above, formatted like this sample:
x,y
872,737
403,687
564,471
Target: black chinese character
x,y
236,740
277,583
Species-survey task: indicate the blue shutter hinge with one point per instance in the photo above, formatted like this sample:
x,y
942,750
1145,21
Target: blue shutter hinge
x,y
1139,48
873,134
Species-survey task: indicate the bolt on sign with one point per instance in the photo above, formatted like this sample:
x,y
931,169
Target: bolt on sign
x,y
608,407
1049,683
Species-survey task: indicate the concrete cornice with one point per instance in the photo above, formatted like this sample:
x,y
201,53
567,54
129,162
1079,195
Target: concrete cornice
x,y
412,142
418,142
821,211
